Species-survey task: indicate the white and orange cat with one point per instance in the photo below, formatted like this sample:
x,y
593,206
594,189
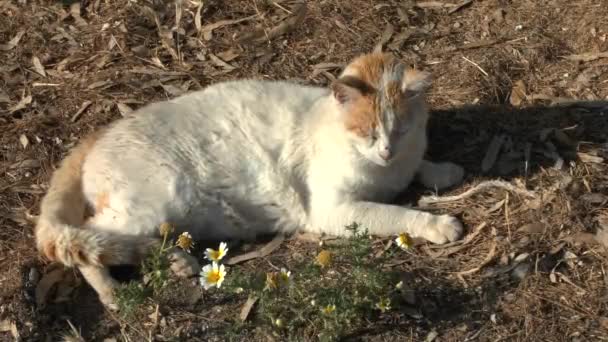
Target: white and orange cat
x,y
248,157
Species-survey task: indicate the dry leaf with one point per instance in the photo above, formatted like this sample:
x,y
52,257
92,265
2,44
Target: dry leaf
x,y
532,228
13,42
172,90
228,55
97,84
75,13
247,308
24,141
385,37
123,109
81,110
518,93
218,62
589,158
460,6
284,27
38,66
321,67
262,252
21,105
207,30
587,57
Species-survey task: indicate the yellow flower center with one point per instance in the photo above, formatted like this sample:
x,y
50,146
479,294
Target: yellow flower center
x,y
213,277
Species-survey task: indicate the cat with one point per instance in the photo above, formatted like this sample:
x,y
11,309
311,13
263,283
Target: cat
x,y
248,157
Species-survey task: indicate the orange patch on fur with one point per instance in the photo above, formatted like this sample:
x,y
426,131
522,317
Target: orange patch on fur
x,y
370,67
102,202
49,251
363,116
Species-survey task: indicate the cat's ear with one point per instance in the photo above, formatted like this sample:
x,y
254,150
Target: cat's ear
x,y
348,89
415,82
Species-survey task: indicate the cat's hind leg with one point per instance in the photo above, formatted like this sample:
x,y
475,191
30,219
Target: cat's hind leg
x,y
102,282
439,176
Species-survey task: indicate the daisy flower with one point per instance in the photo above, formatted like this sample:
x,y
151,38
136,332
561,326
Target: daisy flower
x,y
213,275
271,281
384,304
329,309
324,258
217,255
404,241
166,229
185,242
284,276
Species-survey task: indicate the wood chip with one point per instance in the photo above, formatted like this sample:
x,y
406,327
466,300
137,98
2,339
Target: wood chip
x,y
13,42
319,68
282,28
460,6
10,326
434,4
220,63
207,30
589,158
260,253
197,17
75,13
518,93
98,84
246,309
492,153
172,90
81,110
25,101
228,55
24,141
38,66
587,57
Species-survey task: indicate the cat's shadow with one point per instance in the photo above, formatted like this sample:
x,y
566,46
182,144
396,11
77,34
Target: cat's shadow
x,y
532,138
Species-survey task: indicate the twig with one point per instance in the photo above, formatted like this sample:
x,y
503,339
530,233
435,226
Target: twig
x,y
426,200
281,7
487,260
260,253
476,65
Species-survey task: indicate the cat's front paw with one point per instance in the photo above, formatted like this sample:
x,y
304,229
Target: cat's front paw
x,y
183,264
442,229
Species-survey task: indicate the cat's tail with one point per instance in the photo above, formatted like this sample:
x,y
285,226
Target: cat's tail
x,y
60,232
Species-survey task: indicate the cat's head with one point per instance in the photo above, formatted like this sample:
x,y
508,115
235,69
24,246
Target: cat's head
x,y
381,103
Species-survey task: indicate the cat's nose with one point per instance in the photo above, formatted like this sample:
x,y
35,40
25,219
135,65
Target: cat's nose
x,y
385,153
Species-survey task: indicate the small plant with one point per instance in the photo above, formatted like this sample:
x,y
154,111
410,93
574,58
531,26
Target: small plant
x,y
155,271
328,296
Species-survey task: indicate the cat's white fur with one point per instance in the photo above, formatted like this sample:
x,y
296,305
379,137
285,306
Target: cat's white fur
x,y
235,160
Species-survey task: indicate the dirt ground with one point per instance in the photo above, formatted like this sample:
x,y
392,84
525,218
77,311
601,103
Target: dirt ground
x,y
528,75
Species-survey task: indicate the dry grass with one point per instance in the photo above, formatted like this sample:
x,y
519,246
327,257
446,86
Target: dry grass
x,y
76,68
